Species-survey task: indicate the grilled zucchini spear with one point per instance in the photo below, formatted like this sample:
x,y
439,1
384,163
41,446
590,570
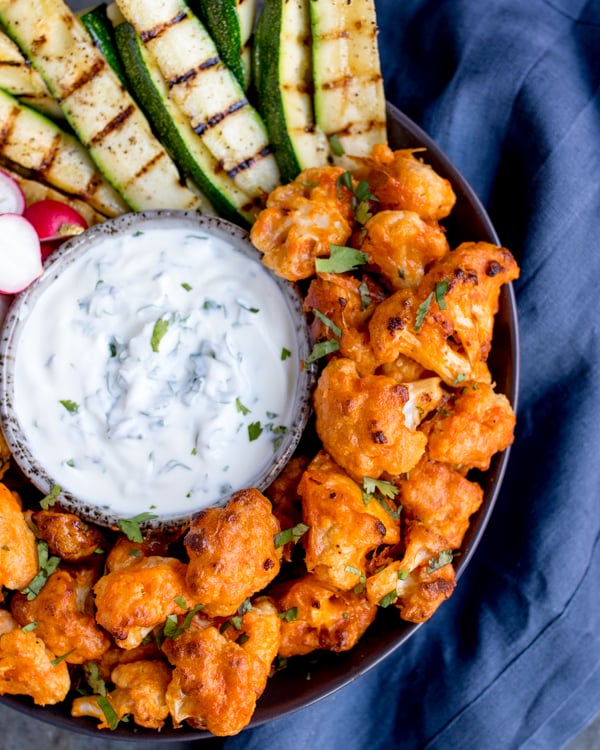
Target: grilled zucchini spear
x,y
349,97
40,148
283,81
206,91
101,112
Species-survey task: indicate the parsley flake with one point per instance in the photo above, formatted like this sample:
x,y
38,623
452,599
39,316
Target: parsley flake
x,y
444,558
69,405
241,408
109,712
131,526
388,599
160,328
336,330
93,678
47,565
254,431
336,145
322,349
293,534
285,353
365,295
50,499
441,288
422,311
186,286
290,615
29,627
341,259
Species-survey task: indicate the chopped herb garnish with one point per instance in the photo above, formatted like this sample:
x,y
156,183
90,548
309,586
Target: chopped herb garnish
x,y
388,599
322,349
93,678
6,548
292,534
98,551
336,145
69,405
55,662
365,295
134,553
244,638
131,526
50,499
285,354
362,579
341,259
444,558
254,431
245,607
387,489
236,621
29,627
109,712
70,463
160,328
47,566
112,348
194,451
290,615
422,311
403,574
180,602
441,288
459,378
337,331
186,286
241,408
248,309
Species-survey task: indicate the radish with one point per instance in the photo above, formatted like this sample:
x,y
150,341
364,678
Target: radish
x,y
20,254
54,223
12,199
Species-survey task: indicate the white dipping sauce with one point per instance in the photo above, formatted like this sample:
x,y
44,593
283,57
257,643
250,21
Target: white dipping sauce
x,y
157,372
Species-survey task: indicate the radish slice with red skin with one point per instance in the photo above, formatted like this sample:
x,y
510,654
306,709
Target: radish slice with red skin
x,y
12,198
20,254
54,220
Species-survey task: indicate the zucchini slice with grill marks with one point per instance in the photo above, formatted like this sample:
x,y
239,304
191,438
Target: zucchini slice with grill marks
x,y
100,28
38,146
174,130
349,96
97,106
207,92
283,81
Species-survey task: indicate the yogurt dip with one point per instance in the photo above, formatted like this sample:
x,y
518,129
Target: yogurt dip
x,y
159,371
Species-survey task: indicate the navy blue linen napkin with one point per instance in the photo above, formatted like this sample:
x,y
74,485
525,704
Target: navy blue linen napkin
x,y
510,90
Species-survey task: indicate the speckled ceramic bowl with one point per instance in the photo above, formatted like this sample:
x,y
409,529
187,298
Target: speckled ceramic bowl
x,y
129,236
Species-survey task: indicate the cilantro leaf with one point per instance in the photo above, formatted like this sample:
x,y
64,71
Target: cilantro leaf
x,y
160,328
422,311
289,615
322,349
388,599
69,405
285,354
241,408
93,678
254,431
49,500
293,534
109,712
441,288
337,331
46,566
341,259
444,558
387,489
131,526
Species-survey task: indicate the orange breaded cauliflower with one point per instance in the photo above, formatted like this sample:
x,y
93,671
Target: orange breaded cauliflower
x,y
421,580
446,323
301,220
361,422
4,456
342,529
125,552
232,552
348,302
283,494
64,616
140,692
439,497
401,245
259,631
67,535
28,667
215,683
132,600
475,424
401,181
18,549
321,617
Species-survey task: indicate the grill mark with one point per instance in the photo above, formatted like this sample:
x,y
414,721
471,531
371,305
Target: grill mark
x,y
8,125
98,66
46,164
202,127
250,162
160,28
113,125
148,166
12,64
190,74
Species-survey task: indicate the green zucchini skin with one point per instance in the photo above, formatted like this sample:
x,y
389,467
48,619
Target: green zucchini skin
x,y
37,146
283,81
175,131
101,30
223,23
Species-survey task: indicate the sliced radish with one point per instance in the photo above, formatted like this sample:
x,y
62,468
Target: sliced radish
x,y
12,199
20,254
54,220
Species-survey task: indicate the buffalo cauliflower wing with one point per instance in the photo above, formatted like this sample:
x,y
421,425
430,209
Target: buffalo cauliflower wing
x,y
316,615
361,422
140,692
18,549
132,600
232,552
401,181
67,535
342,529
446,323
302,220
64,616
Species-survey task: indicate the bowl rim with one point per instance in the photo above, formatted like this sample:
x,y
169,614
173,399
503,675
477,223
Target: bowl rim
x,y
388,634
69,254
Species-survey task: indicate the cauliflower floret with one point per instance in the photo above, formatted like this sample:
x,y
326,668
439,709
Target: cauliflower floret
x,y
446,323
140,691
232,552
4,456
342,529
283,494
419,582
216,682
67,535
28,667
322,617
18,549
361,422
439,497
402,245
258,631
302,220
64,617
132,600
473,425
401,181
